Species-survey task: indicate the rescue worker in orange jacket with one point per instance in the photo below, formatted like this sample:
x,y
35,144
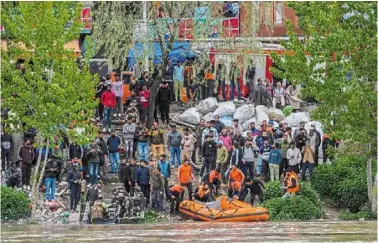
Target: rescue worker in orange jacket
x,y
235,190
291,184
235,175
213,179
203,193
175,196
185,176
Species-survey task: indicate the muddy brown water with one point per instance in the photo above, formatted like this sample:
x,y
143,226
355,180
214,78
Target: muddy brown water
x,y
319,231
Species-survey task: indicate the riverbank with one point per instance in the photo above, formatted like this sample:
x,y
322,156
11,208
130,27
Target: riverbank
x,y
315,231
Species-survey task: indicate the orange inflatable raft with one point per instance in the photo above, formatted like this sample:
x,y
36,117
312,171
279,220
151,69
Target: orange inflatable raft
x,y
224,210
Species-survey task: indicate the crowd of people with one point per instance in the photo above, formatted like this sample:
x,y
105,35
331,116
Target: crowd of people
x,y
227,159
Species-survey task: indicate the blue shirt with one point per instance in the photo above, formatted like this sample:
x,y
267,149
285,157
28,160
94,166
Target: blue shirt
x,y
178,73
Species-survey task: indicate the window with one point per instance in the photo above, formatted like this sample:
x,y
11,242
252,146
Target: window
x,y
278,15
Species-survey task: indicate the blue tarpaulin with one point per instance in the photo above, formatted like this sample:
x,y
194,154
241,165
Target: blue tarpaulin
x,y
181,50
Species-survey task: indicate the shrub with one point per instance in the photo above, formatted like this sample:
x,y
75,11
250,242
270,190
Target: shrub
x,y
365,213
287,110
344,182
273,190
296,208
306,191
14,204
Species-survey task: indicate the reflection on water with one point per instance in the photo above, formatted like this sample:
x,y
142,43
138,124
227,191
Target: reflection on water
x,y
319,231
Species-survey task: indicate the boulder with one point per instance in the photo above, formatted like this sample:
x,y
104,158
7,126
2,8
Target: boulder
x,y
227,120
225,109
190,116
244,112
208,117
261,114
294,119
276,114
245,125
207,105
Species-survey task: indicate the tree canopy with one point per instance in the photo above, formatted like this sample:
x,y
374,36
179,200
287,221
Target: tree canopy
x,y
336,64
41,82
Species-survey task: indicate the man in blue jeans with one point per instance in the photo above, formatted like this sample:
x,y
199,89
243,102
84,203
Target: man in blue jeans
x,y
94,162
114,143
108,99
51,172
141,135
174,144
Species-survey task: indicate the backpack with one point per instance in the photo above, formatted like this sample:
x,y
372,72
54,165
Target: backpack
x,y
97,210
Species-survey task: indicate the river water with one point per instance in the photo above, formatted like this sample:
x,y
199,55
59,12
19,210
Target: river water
x,y
319,231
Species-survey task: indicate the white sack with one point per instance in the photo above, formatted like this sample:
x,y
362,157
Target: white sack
x,y
225,109
244,112
207,105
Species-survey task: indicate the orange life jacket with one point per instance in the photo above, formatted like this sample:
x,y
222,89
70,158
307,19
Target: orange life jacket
x,y
235,185
214,176
176,188
289,184
201,191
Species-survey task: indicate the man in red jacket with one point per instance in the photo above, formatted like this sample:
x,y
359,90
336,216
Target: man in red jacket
x,y
108,99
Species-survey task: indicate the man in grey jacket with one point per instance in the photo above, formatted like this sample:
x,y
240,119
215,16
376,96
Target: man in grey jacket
x,y
128,136
248,161
174,145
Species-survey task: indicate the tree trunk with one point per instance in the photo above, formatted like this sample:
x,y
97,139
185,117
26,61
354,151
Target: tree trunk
x,y
369,175
375,196
35,185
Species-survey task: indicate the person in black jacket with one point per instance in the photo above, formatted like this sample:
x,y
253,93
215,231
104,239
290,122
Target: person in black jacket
x,y
209,151
236,155
101,87
75,151
255,187
104,152
131,176
74,178
164,100
250,75
93,192
51,172
124,171
93,157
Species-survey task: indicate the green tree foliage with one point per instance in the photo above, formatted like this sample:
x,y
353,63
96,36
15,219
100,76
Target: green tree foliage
x,y
51,90
14,204
128,28
296,208
344,182
340,50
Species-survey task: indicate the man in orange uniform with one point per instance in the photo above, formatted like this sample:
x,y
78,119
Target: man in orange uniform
x,y
291,184
175,196
213,179
185,177
203,193
236,175
235,190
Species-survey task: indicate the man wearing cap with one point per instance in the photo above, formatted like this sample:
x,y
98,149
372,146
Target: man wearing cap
x,y
108,99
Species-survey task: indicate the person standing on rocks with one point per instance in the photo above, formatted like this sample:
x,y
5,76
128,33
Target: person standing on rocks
x,y
104,152
124,171
163,167
94,162
117,89
108,99
57,156
131,176
188,142
51,172
168,77
128,135
101,88
250,75
174,145
274,162
164,100
144,97
74,178
114,144
178,80
235,75
26,155
222,156
218,125
209,128
222,76
198,136
294,157
209,155
248,161
6,150
142,177
260,96
279,95
142,142
156,141
185,177
157,186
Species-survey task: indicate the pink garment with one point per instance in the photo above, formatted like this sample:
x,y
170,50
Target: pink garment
x,y
188,142
144,96
226,142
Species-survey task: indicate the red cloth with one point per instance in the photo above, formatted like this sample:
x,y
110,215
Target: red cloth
x,y
108,99
146,95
